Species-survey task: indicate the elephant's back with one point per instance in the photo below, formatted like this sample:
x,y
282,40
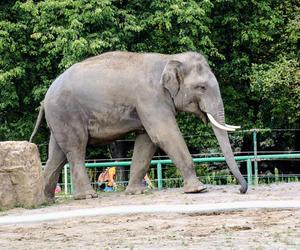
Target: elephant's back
x,y
115,58
121,74
59,85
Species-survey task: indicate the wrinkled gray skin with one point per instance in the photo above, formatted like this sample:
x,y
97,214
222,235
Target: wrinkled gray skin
x,y
103,98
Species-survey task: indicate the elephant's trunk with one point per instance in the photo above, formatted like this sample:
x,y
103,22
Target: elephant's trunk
x,y
222,137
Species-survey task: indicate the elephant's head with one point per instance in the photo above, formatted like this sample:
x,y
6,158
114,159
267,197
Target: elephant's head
x,y
194,88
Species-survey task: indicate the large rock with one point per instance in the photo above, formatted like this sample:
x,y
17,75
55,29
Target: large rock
x,y
21,180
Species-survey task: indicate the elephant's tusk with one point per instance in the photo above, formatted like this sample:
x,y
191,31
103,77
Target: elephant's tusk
x,y
234,127
218,125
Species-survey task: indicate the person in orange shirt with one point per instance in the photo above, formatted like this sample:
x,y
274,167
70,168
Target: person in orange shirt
x,y
107,183
111,185
106,180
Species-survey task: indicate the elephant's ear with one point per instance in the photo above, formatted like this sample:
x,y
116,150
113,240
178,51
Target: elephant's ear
x,y
172,77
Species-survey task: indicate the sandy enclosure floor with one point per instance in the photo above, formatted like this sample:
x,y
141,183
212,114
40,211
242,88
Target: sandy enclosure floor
x,y
246,229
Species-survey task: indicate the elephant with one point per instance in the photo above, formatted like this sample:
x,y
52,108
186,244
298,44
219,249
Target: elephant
x,y
102,98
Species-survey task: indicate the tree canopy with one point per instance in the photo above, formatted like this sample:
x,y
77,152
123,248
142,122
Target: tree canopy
x,y
252,46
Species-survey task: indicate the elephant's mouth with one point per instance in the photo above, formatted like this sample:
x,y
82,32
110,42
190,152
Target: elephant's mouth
x,y
205,117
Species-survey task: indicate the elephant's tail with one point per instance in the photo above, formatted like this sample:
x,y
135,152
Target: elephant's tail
x,y
38,121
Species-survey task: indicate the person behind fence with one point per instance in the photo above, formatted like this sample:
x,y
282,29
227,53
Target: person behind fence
x,y
106,180
147,182
57,189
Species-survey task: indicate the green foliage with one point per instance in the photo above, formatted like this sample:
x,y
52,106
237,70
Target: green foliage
x,y
268,177
277,84
253,33
251,45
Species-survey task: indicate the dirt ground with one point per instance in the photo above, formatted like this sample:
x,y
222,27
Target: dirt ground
x,y
245,229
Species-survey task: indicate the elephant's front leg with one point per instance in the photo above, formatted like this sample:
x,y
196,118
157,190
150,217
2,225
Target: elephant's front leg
x,y
143,151
163,130
172,142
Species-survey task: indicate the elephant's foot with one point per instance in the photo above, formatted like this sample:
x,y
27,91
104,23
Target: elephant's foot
x,y
89,194
49,199
49,195
194,187
135,189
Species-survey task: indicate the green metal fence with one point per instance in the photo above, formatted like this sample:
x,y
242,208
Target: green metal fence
x,y
252,166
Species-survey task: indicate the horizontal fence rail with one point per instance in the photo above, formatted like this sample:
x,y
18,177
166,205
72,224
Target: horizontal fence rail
x,y
252,180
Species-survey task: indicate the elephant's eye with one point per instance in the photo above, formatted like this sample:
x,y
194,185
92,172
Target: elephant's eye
x,y
201,88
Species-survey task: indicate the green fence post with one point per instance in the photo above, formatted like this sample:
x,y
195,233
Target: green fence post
x,y
249,172
159,176
255,156
71,179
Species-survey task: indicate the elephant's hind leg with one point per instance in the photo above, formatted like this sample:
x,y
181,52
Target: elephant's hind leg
x,y
66,121
143,152
56,161
75,148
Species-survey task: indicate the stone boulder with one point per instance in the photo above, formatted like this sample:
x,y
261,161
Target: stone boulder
x,y
21,179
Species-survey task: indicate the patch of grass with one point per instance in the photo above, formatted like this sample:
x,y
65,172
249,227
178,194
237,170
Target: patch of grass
x,y
183,243
2,209
259,248
285,238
